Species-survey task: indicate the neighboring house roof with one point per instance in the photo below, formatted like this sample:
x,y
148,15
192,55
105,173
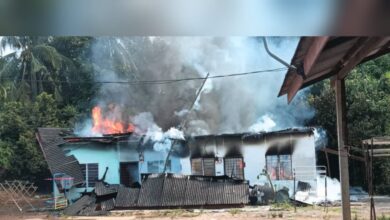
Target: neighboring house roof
x,y
49,140
318,58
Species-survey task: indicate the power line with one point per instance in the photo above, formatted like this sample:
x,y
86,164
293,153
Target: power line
x,y
164,81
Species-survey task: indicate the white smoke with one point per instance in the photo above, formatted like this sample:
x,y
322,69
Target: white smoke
x,y
331,192
163,145
145,125
84,129
320,138
163,140
332,189
264,124
174,133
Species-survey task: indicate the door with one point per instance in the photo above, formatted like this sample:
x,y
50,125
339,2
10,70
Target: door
x,y
129,173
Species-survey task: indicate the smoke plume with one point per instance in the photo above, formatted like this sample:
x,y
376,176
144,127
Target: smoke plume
x,y
226,105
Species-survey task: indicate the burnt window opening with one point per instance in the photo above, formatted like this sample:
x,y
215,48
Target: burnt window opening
x,y
234,167
128,173
203,166
91,173
158,166
279,167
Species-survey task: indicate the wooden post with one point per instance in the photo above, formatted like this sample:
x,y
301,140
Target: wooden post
x,y
343,153
327,164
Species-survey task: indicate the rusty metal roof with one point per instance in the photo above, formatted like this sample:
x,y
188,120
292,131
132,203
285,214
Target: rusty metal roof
x,y
318,58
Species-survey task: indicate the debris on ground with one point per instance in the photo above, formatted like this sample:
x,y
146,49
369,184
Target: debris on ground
x,y
163,191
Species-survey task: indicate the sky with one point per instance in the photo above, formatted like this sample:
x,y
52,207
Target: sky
x,y
6,50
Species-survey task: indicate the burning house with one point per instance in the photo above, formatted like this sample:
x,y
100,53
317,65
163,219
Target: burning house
x,y
251,156
126,159
114,156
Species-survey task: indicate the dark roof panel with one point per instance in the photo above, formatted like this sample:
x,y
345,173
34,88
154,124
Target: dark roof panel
x,y
151,191
79,205
126,197
107,205
102,189
169,190
49,140
196,193
174,191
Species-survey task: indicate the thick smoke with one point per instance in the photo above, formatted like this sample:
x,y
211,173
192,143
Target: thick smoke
x,y
226,105
320,138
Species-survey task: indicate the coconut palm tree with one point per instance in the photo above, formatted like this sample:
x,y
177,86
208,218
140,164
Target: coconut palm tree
x,y
34,67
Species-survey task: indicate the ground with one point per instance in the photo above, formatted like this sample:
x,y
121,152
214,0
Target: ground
x,y
359,211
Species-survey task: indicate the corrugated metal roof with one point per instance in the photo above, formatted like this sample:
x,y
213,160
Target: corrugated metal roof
x,y
84,202
174,190
126,197
107,204
151,191
165,191
49,139
169,190
102,189
197,193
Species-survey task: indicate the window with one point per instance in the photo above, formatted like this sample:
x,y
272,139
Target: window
x,y
279,167
128,173
91,173
203,166
234,167
158,166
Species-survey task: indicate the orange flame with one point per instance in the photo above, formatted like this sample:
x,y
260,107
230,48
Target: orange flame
x,y
105,125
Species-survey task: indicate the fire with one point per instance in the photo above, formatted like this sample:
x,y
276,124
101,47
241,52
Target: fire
x,y
105,125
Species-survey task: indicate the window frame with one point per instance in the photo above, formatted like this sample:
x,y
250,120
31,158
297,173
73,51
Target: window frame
x,y
241,175
278,161
86,169
202,166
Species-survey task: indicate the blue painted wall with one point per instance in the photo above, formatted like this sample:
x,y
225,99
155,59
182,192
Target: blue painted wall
x,y
111,156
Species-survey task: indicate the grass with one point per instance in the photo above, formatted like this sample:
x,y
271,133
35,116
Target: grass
x,y
235,211
284,206
383,217
178,213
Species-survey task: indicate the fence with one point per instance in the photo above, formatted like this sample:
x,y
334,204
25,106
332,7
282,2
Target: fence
x,y
17,192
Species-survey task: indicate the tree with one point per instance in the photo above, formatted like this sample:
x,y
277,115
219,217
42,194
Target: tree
x,y
41,67
21,156
46,82
368,114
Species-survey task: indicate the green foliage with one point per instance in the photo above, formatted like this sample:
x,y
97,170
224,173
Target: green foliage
x,y
5,155
19,150
383,217
368,113
37,89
